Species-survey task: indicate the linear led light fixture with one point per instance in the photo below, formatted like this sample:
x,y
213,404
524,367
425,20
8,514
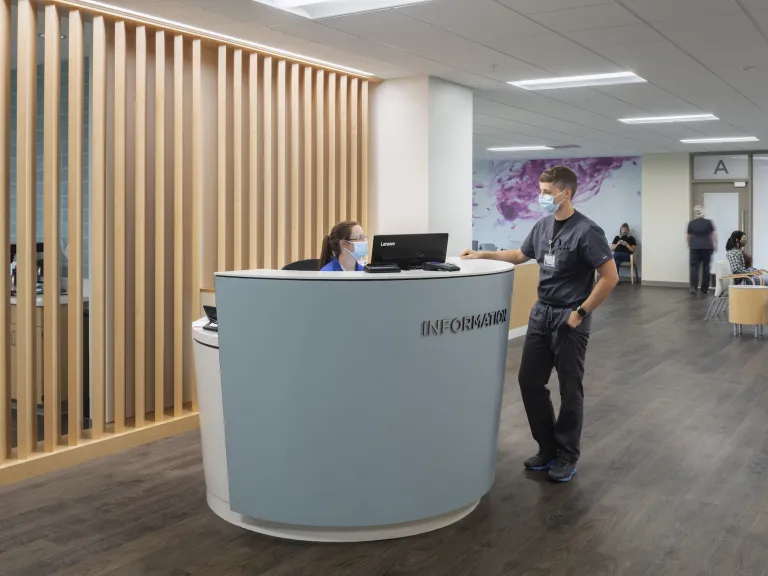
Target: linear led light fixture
x,y
314,9
670,119
519,148
720,140
580,81
144,18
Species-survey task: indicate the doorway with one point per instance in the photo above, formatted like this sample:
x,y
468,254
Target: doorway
x,y
728,207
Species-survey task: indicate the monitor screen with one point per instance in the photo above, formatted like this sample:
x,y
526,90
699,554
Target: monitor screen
x,y
210,312
409,250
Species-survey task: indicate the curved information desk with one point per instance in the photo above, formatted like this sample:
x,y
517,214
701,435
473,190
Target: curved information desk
x,y
351,406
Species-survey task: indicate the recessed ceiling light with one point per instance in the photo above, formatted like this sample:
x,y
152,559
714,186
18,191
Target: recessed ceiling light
x,y
42,35
328,8
668,119
519,148
579,81
720,140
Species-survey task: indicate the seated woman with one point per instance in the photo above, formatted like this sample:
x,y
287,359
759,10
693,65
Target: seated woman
x,y
343,248
623,245
740,261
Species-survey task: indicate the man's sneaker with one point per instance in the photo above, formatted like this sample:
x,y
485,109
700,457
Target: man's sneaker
x,y
539,462
562,470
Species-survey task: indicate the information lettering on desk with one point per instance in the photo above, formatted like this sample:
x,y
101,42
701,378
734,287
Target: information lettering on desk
x,y
463,324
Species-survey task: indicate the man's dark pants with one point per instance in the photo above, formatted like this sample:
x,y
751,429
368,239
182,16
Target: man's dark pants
x,y
551,343
700,259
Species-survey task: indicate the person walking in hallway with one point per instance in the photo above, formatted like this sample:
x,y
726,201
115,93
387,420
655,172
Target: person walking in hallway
x,y
702,239
568,247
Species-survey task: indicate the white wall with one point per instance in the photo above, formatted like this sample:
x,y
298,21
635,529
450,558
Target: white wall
x,y
450,163
666,213
421,159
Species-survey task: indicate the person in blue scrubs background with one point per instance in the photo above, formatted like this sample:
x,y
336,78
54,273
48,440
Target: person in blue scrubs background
x,y
343,248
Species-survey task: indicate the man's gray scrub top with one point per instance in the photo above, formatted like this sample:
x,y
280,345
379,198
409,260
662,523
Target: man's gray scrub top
x,y
567,259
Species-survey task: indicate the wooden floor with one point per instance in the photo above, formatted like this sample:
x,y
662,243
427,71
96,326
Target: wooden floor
x,y
673,480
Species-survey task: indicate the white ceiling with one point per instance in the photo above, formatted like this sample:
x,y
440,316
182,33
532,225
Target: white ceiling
x,y
691,52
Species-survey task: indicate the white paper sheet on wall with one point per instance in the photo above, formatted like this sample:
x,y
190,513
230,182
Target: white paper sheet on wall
x,y
723,209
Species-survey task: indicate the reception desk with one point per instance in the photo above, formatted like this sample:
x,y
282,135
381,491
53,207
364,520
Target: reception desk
x,y
351,406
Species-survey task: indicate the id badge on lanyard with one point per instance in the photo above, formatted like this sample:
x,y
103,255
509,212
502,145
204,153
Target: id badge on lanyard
x,y
550,260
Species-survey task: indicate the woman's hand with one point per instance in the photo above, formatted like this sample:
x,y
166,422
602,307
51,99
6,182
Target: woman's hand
x,y
470,255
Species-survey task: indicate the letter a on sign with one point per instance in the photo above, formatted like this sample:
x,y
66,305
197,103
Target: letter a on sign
x,y
721,167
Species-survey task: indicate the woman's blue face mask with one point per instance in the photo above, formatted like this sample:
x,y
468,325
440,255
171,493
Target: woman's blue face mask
x,y
360,249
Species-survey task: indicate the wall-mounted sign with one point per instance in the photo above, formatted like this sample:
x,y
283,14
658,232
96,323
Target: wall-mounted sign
x,y
463,324
721,167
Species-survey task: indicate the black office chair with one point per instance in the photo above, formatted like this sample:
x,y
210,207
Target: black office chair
x,y
304,265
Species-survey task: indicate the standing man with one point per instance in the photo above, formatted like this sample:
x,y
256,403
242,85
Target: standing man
x,y
568,247
702,240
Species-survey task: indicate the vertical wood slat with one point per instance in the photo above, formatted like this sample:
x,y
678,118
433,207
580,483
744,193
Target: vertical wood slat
x,y
354,150
268,242
282,192
160,256
224,260
344,213
237,157
98,220
75,219
332,191
179,331
140,166
197,187
5,228
254,227
119,199
321,222
294,224
310,237
26,206
364,151
52,231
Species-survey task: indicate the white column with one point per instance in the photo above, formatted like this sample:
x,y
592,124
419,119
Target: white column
x,y
666,213
421,159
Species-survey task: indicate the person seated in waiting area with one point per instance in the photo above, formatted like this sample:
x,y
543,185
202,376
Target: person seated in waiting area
x,y
740,261
343,248
623,246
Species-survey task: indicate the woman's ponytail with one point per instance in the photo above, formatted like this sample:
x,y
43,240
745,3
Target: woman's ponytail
x,y
326,253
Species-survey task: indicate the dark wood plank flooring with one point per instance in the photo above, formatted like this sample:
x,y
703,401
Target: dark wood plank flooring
x,y
673,480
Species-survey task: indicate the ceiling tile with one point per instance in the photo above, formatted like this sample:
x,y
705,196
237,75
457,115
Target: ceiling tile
x,y
605,40
477,20
554,53
588,18
395,28
537,6
659,10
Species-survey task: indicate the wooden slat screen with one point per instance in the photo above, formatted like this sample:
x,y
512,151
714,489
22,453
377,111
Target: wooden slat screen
x,y
203,156
5,228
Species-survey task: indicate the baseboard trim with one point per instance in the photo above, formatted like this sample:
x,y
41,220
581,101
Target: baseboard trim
x,y
12,471
517,332
659,284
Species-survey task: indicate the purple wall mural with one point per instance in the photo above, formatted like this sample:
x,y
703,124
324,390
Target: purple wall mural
x,y
505,196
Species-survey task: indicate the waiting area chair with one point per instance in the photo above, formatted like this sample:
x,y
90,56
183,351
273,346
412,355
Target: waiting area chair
x,y
723,280
304,265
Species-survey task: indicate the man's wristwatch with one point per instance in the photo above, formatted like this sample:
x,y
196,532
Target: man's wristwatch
x,y
581,312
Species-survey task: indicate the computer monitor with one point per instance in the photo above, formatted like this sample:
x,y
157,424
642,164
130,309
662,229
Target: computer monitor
x,y
409,250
